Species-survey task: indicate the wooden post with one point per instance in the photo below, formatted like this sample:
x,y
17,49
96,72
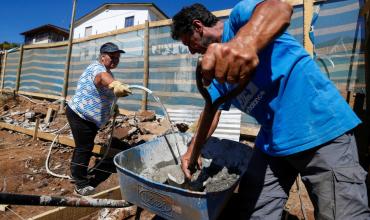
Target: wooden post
x,y
3,71
366,13
307,18
68,58
144,100
36,128
17,82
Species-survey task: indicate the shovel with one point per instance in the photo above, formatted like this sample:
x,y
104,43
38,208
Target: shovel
x,y
176,177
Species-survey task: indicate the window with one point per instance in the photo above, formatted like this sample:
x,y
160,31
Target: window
x,y
129,21
88,31
42,37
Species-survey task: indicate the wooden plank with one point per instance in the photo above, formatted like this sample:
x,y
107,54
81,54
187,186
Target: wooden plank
x,y
49,115
48,136
46,45
40,95
36,129
110,33
222,13
300,2
3,71
68,213
144,100
367,59
160,23
307,18
365,9
68,58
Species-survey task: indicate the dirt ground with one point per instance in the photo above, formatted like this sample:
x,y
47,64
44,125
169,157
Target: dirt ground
x,y
22,161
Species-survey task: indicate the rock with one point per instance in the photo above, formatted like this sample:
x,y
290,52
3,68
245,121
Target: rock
x,y
182,127
43,183
57,166
5,107
29,115
121,133
152,128
3,208
62,192
146,137
145,115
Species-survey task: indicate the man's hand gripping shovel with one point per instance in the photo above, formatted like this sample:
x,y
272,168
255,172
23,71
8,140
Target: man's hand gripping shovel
x,y
177,177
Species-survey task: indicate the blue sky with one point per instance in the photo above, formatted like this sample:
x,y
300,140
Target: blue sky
x,y
18,16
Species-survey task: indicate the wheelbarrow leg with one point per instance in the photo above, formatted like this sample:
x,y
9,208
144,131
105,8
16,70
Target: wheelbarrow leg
x,y
138,212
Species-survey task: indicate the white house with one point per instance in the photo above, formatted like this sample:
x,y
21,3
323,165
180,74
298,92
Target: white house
x,y
113,16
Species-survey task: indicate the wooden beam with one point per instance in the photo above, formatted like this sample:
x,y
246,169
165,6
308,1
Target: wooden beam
x,y
40,95
48,136
367,59
144,100
36,129
68,213
110,33
307,18
3,71
68,57
19,70
365,9
46,45
160,23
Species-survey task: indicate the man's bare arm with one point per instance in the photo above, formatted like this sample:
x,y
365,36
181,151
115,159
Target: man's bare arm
x,y
237,59
186,157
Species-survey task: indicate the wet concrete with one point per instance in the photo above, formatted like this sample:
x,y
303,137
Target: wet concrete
x,y
211,178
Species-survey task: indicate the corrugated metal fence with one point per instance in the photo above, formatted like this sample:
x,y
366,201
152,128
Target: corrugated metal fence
x,y
338,32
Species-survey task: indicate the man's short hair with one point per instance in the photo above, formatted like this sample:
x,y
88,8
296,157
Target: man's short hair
x,y
182,22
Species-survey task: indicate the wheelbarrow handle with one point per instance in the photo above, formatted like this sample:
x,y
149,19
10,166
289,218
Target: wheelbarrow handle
x,y
209,112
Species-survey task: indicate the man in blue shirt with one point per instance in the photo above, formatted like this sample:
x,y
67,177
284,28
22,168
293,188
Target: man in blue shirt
x,y
306,126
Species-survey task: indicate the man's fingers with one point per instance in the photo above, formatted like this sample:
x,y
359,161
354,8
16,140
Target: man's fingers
x,y
184,167
233,74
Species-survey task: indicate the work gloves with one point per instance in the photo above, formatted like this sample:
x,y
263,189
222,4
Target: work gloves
x,y
119,89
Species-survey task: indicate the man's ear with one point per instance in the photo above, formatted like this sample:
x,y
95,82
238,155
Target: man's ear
x,y
198,25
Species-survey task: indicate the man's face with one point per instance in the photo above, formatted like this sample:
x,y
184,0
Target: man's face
x,y
196,42
111,60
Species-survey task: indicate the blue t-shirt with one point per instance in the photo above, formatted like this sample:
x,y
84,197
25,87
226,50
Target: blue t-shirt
x,y
90,102
297,106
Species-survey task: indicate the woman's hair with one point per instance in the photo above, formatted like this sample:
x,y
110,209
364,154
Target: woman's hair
x,y
182,22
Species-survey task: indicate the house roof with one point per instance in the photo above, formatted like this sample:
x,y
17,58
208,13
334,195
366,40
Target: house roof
x,y
105,6
47,27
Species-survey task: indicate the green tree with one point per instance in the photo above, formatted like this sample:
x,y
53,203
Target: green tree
x,y
6,45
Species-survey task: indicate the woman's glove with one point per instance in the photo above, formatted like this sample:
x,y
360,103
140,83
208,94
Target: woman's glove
x,y
119,89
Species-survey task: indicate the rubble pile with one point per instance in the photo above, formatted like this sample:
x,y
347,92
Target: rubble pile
x,y
132,129
136,128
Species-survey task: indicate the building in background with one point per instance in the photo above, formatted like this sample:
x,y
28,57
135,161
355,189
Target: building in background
x,y
45,34
113,16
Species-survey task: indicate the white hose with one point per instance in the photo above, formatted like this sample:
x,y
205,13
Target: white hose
x,y
140,87
109,144
49,153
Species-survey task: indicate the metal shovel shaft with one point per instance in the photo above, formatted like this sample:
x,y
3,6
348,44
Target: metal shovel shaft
x,y
209,112
43,200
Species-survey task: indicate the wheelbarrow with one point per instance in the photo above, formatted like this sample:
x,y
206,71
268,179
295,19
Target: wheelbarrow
x,y
170,202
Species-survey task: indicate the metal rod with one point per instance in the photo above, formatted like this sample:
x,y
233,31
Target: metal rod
x,y
43,200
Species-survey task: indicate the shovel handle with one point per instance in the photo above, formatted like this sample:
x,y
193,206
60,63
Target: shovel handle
x,y
209,112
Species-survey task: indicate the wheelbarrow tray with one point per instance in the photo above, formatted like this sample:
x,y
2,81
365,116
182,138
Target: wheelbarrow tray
x,y
172,202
